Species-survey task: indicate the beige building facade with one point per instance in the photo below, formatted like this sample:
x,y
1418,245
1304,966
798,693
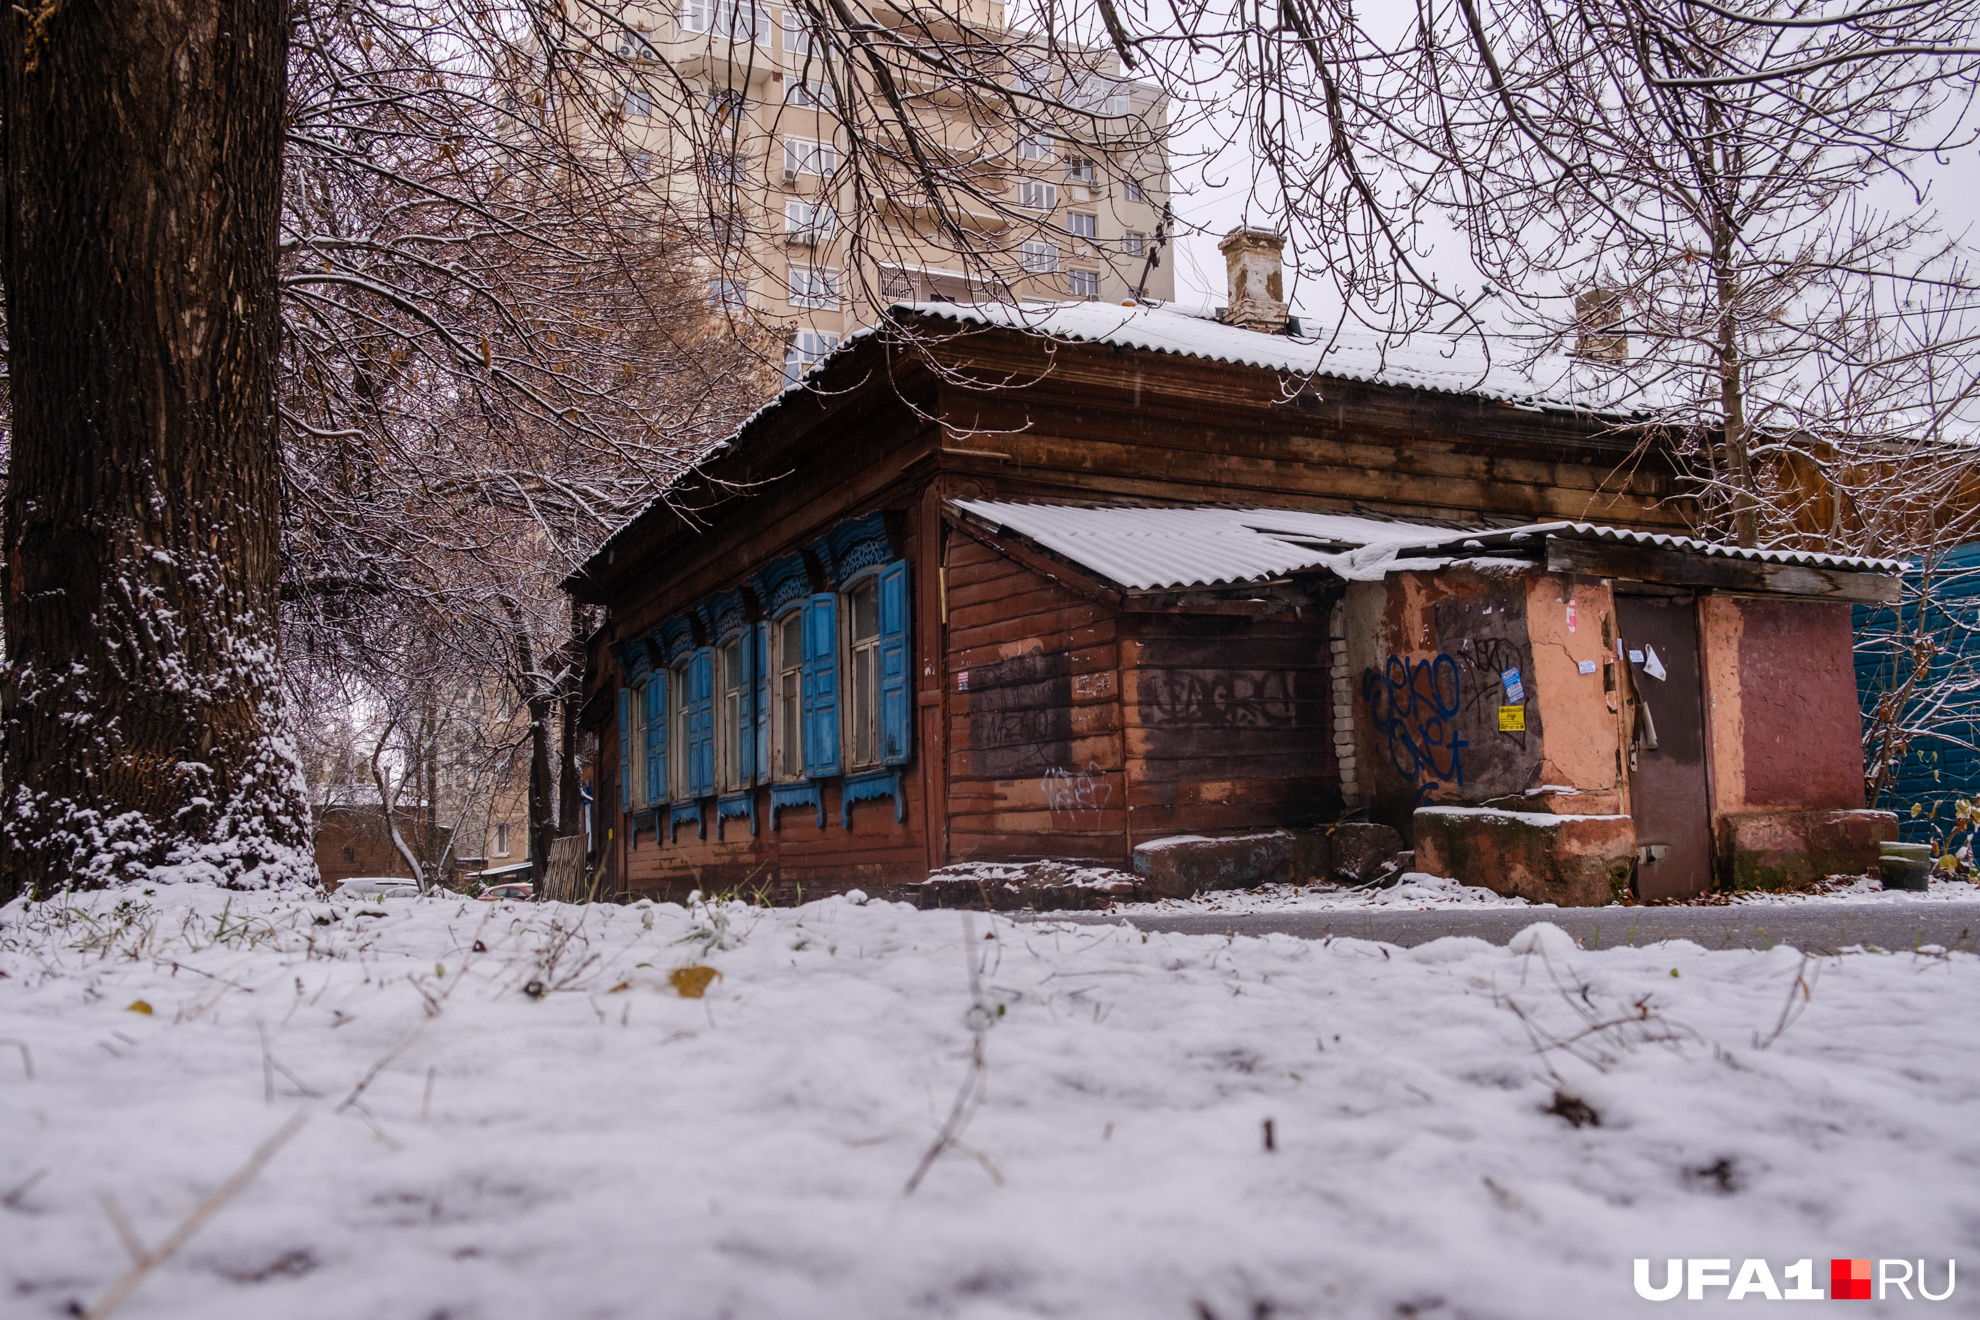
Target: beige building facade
x,y
1060,195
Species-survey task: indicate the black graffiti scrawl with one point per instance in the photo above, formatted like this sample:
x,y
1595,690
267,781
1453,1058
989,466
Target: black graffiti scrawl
x,y
1020,716
1485,636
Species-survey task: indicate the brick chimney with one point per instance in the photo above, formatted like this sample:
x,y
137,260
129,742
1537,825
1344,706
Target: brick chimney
x,y
1256,272
1597,317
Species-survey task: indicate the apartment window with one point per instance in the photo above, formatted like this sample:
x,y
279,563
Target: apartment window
x,y
640,163
809,222
863,673
1034,146
1083,226
1079,170
1134,244
728,295
1038,196
639,103
808,95
806,348
723,166
1083,284
1096,95
500,848
1131,189
727,18
725,104
1040,257
804,156
797,37
788,688
814,286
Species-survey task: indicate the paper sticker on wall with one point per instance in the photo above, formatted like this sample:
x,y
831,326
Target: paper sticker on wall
x,y
1515,690
962,680
1570,615
1652,665
1586,666
1512,719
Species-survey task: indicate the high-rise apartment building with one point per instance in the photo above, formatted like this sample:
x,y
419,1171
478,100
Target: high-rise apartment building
x,y
821,215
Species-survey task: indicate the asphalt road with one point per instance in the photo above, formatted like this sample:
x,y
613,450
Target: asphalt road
x,y
1810,927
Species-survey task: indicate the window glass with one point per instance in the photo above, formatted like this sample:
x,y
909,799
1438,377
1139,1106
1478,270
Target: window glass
x,y
728,295
1079,169
805,156
1134,244
790,695
1083,284
1033,196
1034,146
863,678
1131,189
639,745
730,733
808,94
1040,257
807,347
814,286
1083,226
678,764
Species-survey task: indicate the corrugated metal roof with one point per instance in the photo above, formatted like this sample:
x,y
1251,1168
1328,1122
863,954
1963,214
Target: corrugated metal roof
x,y
1170,549
1434,362
1165,549
1514,538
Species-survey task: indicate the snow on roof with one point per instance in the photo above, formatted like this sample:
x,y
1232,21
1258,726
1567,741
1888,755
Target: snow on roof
x,y
1520,537
1157,549
1427,362
1171,548
1438,362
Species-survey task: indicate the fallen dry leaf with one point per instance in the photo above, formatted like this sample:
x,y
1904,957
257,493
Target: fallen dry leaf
x,y
138,1006
692,982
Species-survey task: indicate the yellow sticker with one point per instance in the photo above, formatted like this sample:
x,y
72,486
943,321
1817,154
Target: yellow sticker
x,y
1512,719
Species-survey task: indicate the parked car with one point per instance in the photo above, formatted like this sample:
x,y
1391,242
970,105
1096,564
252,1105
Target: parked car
x,y
378,887
518,890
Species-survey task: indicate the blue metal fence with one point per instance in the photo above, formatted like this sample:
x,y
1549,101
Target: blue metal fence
x,y
1941,716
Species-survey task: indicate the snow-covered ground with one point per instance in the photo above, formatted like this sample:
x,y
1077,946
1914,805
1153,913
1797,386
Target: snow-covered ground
x,y
513,1112
1417,891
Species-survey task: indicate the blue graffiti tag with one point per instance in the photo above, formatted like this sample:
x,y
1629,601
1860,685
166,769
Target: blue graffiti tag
x,y
1414,707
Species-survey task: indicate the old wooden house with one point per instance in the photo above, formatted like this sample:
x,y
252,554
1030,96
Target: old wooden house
x,y
1054,583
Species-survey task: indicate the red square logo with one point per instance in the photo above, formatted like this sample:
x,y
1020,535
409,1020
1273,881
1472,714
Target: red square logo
x,y
1849,1280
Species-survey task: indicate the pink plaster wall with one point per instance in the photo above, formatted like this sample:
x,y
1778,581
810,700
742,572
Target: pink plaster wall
x,y
1800,737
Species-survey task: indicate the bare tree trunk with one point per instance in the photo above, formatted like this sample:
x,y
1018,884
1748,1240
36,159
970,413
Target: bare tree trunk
x,y
570,800
536,701
388,801
1732,391
142,700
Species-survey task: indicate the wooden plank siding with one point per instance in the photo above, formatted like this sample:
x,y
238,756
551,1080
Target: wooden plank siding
x,y
1228,724
1035,757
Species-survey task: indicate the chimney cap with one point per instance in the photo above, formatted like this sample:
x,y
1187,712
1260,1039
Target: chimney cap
x,y
1249,236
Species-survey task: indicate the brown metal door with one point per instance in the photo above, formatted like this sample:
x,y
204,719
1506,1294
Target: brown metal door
x,y
1667,757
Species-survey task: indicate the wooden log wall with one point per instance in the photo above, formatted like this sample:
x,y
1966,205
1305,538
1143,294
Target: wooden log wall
x,y
1229,724
796,859
1035,753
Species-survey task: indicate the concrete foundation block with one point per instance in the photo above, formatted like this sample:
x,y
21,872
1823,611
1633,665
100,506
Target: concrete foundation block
x,y
1187,864
1360,848
1575,861
1794,849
